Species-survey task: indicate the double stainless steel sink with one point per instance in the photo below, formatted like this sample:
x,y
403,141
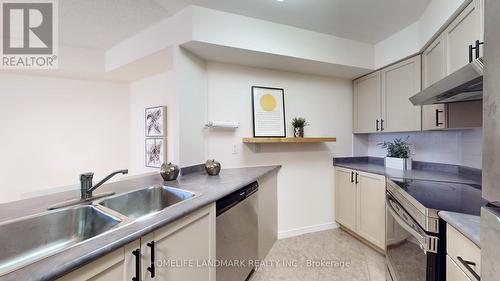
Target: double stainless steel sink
x,y
147,201
28,239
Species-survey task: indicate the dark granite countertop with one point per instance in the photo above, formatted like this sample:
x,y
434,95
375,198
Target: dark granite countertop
x,y
52,267
468,225
420,171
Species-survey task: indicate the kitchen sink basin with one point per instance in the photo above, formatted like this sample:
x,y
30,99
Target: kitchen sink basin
x,y
29,239
136,204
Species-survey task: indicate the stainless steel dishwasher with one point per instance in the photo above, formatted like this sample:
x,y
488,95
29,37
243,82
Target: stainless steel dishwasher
x,y
237,234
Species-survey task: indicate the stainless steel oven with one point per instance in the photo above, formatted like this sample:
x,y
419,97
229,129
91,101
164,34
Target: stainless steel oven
x,y
411,251
416,237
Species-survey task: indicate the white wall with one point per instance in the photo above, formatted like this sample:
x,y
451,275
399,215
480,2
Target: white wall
x,y
306,180
53,129
157,90
437,14
414,37
461,147
397,46
183,90
191,79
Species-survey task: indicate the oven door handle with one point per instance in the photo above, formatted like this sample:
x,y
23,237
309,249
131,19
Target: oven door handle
x,y
408,223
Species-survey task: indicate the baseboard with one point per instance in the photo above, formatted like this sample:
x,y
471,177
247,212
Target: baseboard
x,y
307,229
363,240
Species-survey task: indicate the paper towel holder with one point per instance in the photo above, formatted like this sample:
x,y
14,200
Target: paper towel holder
x,y
222,124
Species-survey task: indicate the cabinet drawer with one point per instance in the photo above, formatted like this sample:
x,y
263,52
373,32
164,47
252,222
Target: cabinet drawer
x,y
453,272
457,246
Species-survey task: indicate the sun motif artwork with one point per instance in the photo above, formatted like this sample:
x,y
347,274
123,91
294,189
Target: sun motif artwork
x,y
268,102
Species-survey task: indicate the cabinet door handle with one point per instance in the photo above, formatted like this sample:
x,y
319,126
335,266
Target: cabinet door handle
x,y
474,48
357,179
467,265
477,48
352,177
137,254
470,53
377,125
151,268
437,118
381,124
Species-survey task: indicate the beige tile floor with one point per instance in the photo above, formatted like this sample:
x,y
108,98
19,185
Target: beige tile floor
x,y
344,258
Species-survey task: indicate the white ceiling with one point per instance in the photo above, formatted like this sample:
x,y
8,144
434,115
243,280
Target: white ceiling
x,y
100,24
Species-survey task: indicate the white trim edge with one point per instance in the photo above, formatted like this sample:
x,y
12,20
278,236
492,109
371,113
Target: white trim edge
x,y
308,229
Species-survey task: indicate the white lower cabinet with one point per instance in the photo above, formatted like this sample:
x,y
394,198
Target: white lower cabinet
x,y
345,198
453,272
463,260
118,265
360,204
370,223
182,251
188,245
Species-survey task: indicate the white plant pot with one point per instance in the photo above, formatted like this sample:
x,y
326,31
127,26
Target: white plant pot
x,y
398,163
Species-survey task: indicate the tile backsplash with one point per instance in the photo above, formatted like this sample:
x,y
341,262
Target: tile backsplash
x,y
461,147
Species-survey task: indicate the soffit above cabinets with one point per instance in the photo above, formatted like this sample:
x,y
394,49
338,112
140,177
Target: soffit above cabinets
x,y
225,54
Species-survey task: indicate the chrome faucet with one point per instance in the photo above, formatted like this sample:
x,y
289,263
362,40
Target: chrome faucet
x,y
86,189
86,183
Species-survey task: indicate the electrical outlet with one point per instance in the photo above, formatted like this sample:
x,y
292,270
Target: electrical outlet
x,y
235,148
257,148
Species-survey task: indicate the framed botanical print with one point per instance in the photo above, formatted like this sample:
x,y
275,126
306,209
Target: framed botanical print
x,y
155,121
155,152
268,106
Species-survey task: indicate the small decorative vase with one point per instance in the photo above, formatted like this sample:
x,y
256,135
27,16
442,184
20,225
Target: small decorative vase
x,y
398,163
298,132
169,172
212,167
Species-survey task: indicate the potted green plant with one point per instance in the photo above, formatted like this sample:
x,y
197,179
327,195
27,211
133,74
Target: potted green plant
x,y
298,124
398,153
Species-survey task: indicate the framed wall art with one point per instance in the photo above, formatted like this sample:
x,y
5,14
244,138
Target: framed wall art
x,y
156,121
268,106
155,152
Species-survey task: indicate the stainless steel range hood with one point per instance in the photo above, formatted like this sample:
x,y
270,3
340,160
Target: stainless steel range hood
x,y
463,85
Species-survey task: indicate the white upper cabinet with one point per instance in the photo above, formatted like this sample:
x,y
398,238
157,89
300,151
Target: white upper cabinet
x,y
433,62
433,70
381,99
462,32
399,82
367,103
445,55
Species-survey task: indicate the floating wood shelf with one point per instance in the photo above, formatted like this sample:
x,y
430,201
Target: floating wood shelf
x,y
288,140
